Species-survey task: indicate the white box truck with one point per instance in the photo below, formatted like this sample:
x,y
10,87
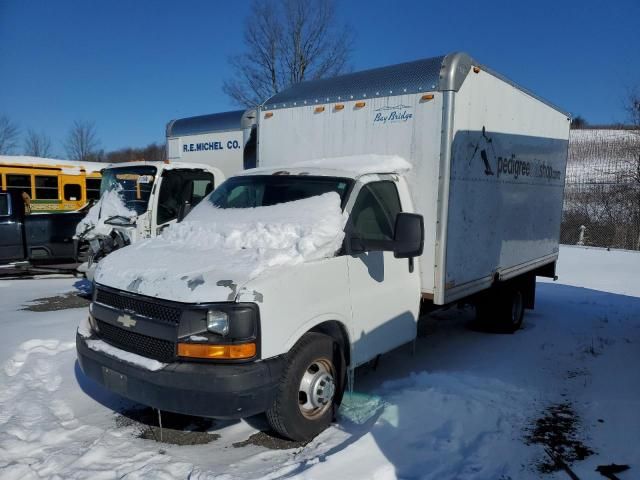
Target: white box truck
x,y
431,182
225,140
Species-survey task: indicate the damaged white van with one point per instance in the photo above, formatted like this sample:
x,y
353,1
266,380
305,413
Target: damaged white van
x,y
380,192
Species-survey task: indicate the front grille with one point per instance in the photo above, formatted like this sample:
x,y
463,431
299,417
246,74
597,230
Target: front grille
x,y
140,307
156,348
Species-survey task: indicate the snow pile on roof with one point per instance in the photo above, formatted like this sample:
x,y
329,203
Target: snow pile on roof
x,y
357,164
109,205
71,167
361,164
215,251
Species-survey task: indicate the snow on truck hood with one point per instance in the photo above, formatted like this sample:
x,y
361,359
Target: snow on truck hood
x,y
214,252
109,205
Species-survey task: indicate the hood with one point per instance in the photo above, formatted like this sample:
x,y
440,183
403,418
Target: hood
x,y
211,255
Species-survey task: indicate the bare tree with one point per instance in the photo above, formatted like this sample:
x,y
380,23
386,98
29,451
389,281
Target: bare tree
x,y
82,141
578,122
8,135
633,107
287,41
37,144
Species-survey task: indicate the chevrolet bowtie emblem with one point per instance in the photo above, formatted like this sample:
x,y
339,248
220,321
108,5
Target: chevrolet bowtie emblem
x,y
126,321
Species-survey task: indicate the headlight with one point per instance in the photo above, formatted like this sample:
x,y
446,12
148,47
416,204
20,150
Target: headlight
x,y
218,322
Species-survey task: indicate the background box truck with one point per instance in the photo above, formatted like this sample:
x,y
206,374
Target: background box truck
x,y
433,182
225,140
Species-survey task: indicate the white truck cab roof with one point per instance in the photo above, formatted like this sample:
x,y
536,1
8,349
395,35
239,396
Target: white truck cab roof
x,y
352,166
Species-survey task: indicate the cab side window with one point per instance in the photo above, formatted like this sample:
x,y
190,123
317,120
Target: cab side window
x,y
179,187
374,214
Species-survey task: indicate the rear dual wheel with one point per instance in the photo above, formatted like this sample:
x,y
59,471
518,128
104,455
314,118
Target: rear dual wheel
x,y
310,389
502,309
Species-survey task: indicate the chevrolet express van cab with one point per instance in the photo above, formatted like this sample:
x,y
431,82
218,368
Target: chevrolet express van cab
x,y
380,192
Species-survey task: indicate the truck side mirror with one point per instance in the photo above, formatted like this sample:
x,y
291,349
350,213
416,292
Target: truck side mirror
x,y
408,239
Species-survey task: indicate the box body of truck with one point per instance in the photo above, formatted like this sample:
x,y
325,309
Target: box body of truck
x,y
488,159
225,140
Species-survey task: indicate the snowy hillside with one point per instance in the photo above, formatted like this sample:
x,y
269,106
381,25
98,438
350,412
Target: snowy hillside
x,y
600,155
467,405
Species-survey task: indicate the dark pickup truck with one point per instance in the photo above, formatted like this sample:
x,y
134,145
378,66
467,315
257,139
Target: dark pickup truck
x,y
35,239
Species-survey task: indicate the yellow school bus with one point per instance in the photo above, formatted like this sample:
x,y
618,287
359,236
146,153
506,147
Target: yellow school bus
x,y
51,185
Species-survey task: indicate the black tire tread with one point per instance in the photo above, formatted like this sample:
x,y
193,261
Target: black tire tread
x,y
276,413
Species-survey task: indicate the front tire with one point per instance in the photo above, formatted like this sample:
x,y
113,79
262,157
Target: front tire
x,y
310,388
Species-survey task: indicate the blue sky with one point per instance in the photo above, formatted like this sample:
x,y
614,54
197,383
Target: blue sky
x,y
131,66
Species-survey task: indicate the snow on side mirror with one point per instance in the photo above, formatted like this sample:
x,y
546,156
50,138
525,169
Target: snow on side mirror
x,y
409,235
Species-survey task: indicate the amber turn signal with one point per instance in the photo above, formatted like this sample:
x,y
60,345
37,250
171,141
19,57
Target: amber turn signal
x,y
319,109
217,352
427,97
360,104
339,106
268,115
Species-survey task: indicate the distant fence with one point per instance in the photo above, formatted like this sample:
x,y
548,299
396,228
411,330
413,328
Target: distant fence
x,y
602,189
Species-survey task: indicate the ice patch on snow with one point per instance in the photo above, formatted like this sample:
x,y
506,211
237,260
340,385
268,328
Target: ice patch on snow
x,y
109,205
144,362
224,248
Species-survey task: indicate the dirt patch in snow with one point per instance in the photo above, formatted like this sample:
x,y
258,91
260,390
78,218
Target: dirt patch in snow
x,y
60,302
270,440
557,431
176,429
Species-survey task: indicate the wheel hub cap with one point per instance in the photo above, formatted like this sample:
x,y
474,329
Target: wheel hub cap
x,y
317,389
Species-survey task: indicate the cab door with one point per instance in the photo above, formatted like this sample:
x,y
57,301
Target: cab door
x,y
384,290
180,188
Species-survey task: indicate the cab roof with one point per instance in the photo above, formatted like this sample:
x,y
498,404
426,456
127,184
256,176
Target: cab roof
x,y
352,166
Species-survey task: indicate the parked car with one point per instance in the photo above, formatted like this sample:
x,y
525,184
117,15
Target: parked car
x,y
35,239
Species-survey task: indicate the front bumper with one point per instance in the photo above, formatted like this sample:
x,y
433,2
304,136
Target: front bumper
x,y
191,388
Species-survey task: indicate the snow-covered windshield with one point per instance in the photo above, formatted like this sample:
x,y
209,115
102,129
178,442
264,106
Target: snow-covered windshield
x,y
135,184
266,190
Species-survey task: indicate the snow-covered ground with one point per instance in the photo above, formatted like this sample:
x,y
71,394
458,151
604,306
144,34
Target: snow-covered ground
x,y
460,408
